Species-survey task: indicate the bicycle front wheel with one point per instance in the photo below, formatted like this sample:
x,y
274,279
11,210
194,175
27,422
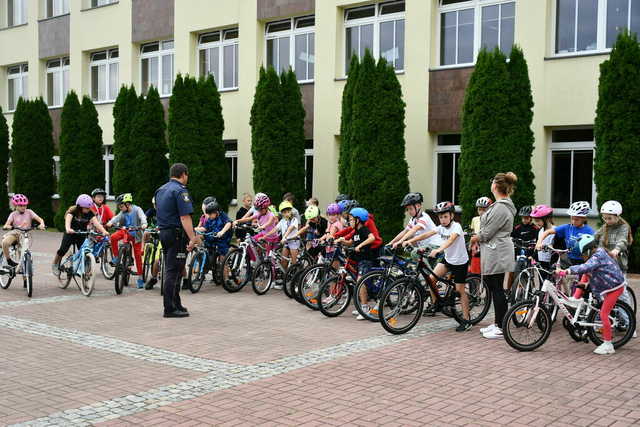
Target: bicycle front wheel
x,y
334,296
5,276
370,284
262,277
106,259
162,272
66,272
196,272
526,326
236,270
310,284
28,274
147,263
400,306
479,301
88,278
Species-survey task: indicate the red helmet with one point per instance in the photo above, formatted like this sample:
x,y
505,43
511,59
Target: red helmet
x,y
262,201
19,200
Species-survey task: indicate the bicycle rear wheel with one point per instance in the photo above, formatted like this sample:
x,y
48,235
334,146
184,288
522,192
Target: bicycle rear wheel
x,y
623,325
373,282
479,301
196,272
334,296
122,271
66,272
262,278
147,262
5,275
27,274
400,306
235,272
526,326
88,278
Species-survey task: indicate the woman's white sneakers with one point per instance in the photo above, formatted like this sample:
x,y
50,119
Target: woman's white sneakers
x,y
487,329
605,348
491,332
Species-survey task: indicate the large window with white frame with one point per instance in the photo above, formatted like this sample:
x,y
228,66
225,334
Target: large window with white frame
x,y
218,53
231,154
57,81
156,66
466,26
447,157
571,171
104,75
16,12
380,29
18,84
55,8
585,26
291,43
97,3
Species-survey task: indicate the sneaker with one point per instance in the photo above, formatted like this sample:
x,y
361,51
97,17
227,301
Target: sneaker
x,y
431,310
55,269
140,283
605,348
365,308
277,286
150,283
487,329
355,312
635,334
464,326
495,334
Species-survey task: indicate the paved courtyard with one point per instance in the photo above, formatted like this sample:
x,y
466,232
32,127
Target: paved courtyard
x,y
241,359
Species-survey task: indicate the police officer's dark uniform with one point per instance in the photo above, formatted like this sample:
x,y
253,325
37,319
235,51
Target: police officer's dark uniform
x,y
172,202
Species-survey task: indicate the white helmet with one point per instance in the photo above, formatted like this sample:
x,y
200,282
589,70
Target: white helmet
x,y
579,209
611,207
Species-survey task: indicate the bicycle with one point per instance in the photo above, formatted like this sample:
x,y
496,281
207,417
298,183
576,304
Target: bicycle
x,y
237,267
305,259
125,260
150,251
80,263
533,319
520,288
307,287
268,271
25,266
203,260
334,294
402,302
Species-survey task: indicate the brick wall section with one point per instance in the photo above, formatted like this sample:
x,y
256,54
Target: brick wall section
x,y
273,9
446,96
307,102
152,20
53,36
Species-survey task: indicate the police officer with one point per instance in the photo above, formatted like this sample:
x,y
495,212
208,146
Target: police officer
x,y
174,209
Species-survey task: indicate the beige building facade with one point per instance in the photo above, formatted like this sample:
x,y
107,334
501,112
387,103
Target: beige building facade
x,y
48,47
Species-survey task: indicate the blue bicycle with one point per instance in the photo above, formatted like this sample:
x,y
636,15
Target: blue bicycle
x,y
80,264
203,260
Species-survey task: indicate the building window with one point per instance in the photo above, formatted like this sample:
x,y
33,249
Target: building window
x,y
459,43
96,3
18,84
157,70
446,159
291,44
622,14
219,57
379,28
104,75
108,169
56,7
16,12
57,81
231,154
571,160
308,168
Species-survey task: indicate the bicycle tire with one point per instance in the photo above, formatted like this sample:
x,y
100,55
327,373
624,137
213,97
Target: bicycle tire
x,y
88,279
234,275
310,282
66,272
287,286
479,296
632,297
5,276
196,272
629,324
262,277
392,304
147,262
120,277
28,274
108,271
363,281
333,302
162,271
518,316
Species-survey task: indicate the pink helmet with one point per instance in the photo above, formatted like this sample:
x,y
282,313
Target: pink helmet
x,y
84,201
541,211
334,209
262,201
19,200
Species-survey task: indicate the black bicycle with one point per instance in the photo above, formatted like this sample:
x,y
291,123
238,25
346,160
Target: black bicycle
x,y
125,260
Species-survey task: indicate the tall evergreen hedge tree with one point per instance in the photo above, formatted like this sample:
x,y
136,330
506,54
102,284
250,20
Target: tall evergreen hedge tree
x,y
32,155
148,132
93,146
344,162
124,149
4,166
293,144
486,148
617,133
267,133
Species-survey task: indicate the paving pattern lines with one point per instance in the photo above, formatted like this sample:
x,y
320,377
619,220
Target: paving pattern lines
x,y
224,379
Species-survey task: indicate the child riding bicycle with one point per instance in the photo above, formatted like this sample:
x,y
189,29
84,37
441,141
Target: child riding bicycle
x,y
22,218
219,223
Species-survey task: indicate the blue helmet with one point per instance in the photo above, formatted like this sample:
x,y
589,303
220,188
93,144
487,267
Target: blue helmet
x,y
360,213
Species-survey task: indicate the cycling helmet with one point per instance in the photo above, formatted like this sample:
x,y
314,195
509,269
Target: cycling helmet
x,y
127,198
98,191
342,197
285,205
273,210
19,200
579,209
262,201
525,211
611,207
586,243
334,209
212,207
541,211
483,202
84,201
209,199
312,212
360,213
347,205
444,207
411,199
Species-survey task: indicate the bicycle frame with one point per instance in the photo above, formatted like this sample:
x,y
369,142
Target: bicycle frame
x,y
560,300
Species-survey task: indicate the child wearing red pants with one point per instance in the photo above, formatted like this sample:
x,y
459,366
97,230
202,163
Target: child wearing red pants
x,y
606,279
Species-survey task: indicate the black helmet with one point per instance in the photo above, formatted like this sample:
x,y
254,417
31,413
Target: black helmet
x,y
411,199
209,199
212,207
119,199
350,204
97,191
525,211
341,197
443,207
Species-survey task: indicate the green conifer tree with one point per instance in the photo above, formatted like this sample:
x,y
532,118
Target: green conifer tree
x,y
124,149
293,143
344,162
4,166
